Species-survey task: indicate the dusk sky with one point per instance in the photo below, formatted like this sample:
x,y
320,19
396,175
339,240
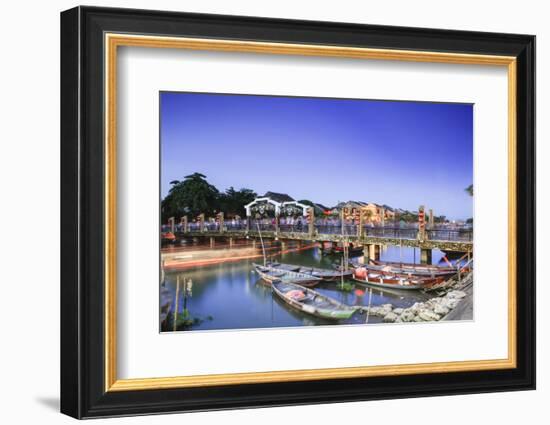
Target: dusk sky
x,y
403,154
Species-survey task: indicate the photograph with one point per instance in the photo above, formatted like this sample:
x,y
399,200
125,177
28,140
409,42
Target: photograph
x,y
283,211
272,210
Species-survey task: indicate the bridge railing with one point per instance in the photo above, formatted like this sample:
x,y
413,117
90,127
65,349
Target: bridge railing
x,y
193,227
212,227
453,235
336,229
390,232
293,228
410,233
235,227
263,226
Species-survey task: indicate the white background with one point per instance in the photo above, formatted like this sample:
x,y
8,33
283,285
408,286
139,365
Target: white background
x,y
261,350
29,176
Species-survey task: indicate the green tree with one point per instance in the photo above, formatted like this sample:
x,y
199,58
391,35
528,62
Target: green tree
x,y
409,216
470,190
232,202
316,210
192,196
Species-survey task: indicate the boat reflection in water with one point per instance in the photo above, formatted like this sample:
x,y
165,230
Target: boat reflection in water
x,y
231,295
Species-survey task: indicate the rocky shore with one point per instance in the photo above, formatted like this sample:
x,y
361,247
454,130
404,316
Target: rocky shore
x,y
453,303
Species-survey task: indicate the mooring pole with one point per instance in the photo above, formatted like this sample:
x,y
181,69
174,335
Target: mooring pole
x,y
368,308
176,303
342,274
262,242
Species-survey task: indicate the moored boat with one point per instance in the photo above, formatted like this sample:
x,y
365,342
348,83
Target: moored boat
x,y
352,251
167,237
454,255
271,274
410,268
325,274
311,302
397,281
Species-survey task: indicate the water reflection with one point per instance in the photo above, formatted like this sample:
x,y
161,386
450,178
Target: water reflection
x,y
230,295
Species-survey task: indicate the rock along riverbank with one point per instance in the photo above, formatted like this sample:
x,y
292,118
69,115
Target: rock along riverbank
x,y
453,303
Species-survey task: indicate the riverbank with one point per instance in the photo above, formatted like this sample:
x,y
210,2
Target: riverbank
x,y
453,303
465,309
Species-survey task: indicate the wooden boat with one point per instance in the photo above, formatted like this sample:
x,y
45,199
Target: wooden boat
x,y
396,281
271,274
410,268
284,266
353,251
325,274
454,255
167,237
312,302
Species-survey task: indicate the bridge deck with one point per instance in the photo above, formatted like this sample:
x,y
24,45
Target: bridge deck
x,y
445,245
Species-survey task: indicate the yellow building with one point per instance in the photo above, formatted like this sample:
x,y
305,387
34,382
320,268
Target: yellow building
x,y
372,213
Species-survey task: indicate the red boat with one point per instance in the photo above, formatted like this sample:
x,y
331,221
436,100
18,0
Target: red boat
x,y
167,237
394,280
352,250
411,268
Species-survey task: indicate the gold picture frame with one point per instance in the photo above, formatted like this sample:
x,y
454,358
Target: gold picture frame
x,y
114,41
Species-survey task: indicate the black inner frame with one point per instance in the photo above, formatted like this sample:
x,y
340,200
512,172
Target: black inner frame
x,y
82,209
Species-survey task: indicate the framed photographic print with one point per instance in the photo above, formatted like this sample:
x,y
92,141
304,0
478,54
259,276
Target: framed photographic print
x,y
261,212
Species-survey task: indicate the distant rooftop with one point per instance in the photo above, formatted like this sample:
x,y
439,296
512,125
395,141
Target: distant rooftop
x,y
278,197
283,197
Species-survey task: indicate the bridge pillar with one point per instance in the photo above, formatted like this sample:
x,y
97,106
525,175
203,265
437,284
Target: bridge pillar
x,y
212,242
172,224
421,223
201,222
311,221
230,243
425,256
361,224
221,222
184,224
372,251
283,245
253,243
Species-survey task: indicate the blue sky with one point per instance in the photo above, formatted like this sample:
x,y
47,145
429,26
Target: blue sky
x,y
403,154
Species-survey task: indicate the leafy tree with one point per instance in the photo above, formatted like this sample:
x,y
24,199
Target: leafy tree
x,y
470,190
192,196
232,202
317,210
408,217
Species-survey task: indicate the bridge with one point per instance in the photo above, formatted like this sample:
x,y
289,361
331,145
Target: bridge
x,y
371,238
295,221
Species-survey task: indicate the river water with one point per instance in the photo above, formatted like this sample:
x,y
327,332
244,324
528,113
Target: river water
x,y
230,295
